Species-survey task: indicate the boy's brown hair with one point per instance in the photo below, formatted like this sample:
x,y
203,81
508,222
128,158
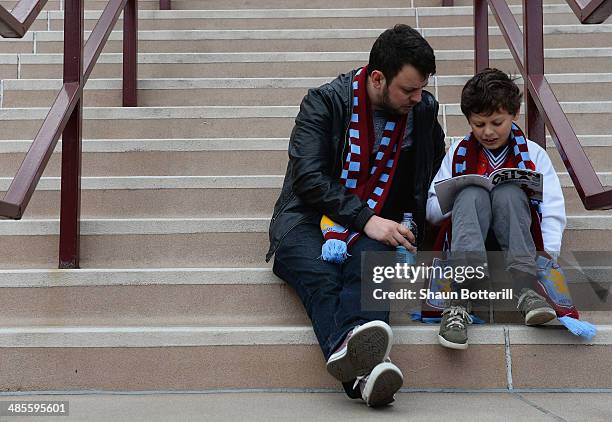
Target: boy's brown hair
x,y
489,91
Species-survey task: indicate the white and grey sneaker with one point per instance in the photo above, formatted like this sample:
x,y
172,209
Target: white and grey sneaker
x,y
535,308
453,328
379,387
364,347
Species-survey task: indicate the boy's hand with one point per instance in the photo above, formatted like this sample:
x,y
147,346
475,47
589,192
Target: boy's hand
x,y
389,232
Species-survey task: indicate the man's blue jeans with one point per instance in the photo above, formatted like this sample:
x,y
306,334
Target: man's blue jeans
x,y
331,293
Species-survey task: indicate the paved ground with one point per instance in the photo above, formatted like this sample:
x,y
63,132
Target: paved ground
x,y
311,407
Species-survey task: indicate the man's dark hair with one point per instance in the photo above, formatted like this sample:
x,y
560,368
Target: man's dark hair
x,y
399,46
489,91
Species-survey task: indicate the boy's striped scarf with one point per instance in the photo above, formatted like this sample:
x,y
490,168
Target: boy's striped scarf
x,y
369,184
469,158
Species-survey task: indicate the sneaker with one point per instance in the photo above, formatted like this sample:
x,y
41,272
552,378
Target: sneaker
x,y
379,387
535,308
364,347
453,328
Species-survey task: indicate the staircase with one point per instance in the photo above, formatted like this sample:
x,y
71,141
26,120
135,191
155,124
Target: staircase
x,y
174,292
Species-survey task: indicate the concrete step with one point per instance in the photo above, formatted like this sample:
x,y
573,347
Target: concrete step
x,y
436,3
558,13
232,4
131,243
53,20
166,91
153,5
192,296
196,41
200,357
163,157
212,157
217,196
18,93
274,64
194,242
175,197
554,14
201,296
244,121
158,122
381,17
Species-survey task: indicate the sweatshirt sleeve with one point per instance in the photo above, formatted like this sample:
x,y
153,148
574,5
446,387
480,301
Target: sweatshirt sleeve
x,y
434,213
553,204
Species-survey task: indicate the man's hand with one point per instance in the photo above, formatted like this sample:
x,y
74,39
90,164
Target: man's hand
x,y
389,232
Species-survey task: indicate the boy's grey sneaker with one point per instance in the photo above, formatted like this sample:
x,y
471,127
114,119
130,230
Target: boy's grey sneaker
x,y
379,387
364,347
535,308
453,328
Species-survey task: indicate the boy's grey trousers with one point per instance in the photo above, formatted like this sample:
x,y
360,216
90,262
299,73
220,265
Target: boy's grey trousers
x,y
505,211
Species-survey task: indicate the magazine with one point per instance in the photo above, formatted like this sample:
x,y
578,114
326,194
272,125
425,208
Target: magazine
x,y
532,182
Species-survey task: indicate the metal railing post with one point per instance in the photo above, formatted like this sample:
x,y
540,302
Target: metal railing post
x,y
481,35
70,209
533,47
130,54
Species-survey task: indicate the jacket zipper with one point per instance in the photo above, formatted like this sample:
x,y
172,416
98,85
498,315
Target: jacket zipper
x,y
348,111
284,235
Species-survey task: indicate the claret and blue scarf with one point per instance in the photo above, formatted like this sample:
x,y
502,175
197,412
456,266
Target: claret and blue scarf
x,y
371,183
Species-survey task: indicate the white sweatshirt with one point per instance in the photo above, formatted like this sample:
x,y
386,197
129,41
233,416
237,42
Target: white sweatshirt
x,y
552,206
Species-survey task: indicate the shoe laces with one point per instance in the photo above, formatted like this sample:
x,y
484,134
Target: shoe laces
x,y
364,378
527,298
457,317
359,380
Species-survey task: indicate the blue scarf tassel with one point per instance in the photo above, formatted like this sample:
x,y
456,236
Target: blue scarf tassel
x,y
579,328
334,251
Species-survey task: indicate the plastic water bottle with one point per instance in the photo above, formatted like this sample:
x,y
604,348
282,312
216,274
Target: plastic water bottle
x,y
404,256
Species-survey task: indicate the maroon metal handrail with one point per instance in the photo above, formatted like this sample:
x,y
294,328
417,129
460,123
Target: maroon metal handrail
x,y
595,11
15,24
542,109
66,114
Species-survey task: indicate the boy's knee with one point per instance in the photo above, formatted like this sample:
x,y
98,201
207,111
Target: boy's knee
x,y
474,195
508,196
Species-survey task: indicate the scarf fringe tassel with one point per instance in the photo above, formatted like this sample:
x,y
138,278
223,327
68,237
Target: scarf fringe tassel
x,y
334,251
579,328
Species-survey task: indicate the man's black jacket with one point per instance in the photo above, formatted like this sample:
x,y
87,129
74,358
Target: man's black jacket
x,y
312,185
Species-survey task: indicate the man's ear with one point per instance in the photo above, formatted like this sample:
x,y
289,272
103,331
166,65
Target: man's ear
x,y
377,79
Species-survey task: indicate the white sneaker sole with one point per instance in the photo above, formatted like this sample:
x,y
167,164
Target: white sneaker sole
x,y
450,345
384,381
540,316
369,345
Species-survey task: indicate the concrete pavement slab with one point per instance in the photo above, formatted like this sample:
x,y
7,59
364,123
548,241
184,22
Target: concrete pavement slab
x,y
270,406
575,407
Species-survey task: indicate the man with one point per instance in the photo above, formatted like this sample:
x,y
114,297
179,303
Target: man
x,y
363,151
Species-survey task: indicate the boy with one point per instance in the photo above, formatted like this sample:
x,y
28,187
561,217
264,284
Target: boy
x,y
491,101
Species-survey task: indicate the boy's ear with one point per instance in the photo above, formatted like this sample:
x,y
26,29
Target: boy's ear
x,y
516,116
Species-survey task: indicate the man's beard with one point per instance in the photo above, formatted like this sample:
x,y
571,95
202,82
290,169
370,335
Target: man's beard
x,y
388,108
